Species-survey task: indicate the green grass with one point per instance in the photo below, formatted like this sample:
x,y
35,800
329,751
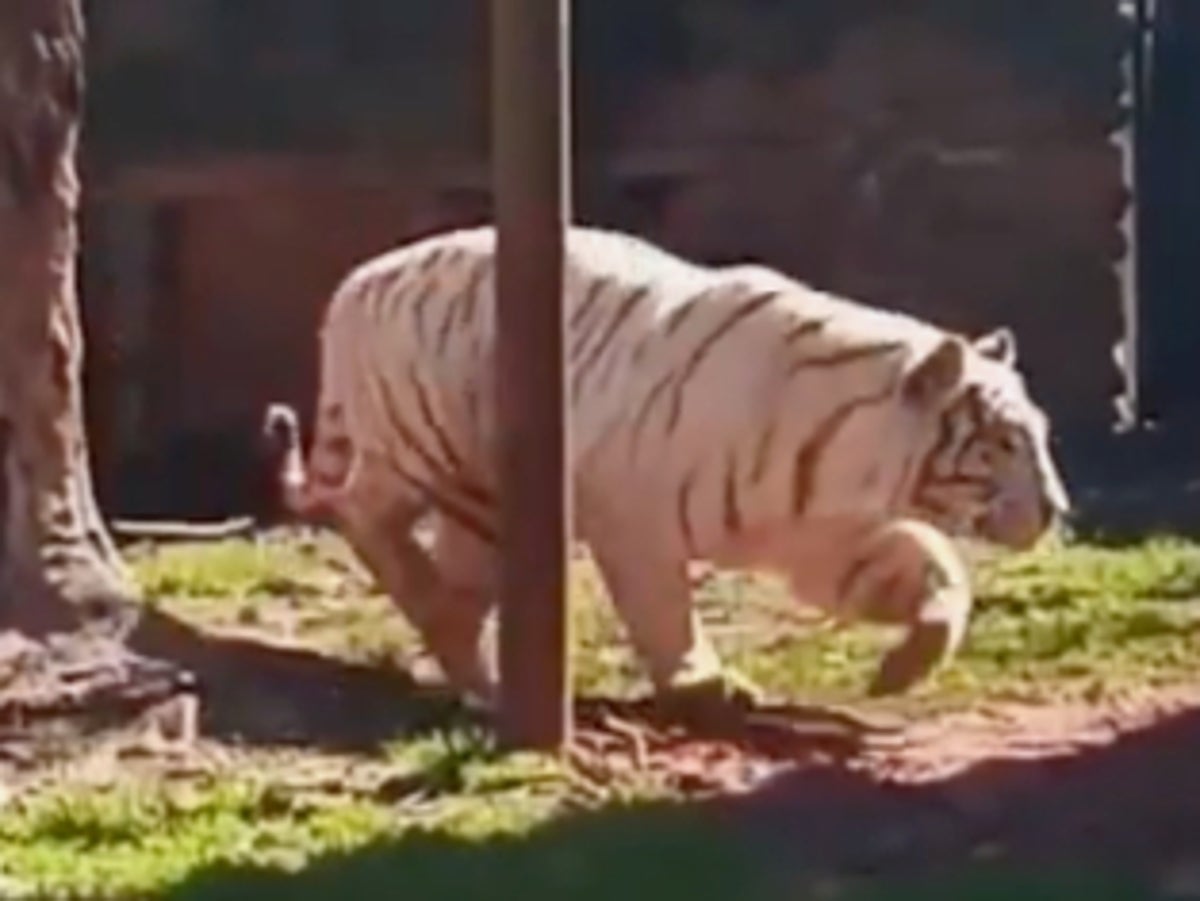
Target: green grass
x,y
1056,621
270,566
480,823
1059,621
1072,620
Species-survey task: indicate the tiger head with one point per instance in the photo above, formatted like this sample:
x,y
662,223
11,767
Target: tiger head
x,y
987,471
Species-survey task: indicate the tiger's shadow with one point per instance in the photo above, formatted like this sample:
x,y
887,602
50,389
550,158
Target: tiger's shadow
x,y
254,693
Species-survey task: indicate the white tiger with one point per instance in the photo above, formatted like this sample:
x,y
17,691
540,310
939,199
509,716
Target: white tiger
x,y
731,415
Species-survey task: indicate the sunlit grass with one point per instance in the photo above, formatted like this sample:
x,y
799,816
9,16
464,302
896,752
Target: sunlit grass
x,y
1059,619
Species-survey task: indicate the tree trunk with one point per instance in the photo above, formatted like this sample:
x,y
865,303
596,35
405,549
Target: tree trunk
x,y
55,554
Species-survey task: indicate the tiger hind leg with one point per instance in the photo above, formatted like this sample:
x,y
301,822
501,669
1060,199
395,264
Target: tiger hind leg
x,y
451,619
911,575
376,516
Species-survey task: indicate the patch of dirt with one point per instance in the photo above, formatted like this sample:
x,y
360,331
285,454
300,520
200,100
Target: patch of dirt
x,y
1108,788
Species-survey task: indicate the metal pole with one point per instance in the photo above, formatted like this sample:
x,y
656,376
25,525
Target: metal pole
x,y
1132,271
530,156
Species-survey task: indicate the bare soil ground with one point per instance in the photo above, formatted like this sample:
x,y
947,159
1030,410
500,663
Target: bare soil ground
x,y
1107,789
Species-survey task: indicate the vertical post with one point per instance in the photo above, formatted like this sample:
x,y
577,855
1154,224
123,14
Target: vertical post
x,y
1133,271
530,156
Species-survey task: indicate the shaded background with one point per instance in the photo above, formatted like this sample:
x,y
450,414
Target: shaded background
x,y
959,159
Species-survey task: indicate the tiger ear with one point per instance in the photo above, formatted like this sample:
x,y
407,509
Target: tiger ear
x,y
999,345
937,375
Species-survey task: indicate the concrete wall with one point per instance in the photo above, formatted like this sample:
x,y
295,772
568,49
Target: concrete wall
x,y
916,170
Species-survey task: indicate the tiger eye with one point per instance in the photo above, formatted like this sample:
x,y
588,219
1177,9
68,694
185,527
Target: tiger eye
x,y
1009,443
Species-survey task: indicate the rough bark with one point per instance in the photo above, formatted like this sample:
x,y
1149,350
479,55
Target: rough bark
x,y
54,547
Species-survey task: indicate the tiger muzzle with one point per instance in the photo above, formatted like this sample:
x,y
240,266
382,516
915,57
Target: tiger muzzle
x,y
1019,526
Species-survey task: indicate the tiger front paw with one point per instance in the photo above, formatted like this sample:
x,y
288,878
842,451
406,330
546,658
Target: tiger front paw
x,y
925,648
